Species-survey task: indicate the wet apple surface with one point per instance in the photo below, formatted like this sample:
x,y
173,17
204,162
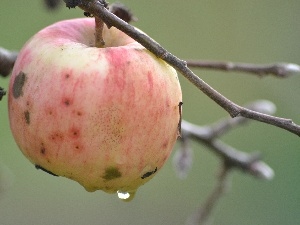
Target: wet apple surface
x,y
104,117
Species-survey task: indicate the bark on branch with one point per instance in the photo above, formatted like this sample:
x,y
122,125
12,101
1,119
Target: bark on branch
x,y
98,8
280,70
208,136
230,157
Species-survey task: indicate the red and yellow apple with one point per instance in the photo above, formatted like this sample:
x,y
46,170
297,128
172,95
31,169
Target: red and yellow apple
x,y
105,117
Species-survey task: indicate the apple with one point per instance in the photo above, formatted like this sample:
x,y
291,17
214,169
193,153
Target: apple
x,y
107,117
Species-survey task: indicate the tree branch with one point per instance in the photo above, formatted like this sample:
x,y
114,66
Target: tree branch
x,y
230,158
208,136
97,8
280,70
249,163
221,127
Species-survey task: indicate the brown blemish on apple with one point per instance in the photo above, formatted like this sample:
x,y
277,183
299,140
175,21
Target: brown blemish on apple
x,y
18,84
77,112
56,136
168,102
74,132
67,101
165,144
43,150
148,174
50,111
112,173
27,117
78,147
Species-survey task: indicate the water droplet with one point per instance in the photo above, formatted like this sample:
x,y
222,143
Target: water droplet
x,y
123,195
126,196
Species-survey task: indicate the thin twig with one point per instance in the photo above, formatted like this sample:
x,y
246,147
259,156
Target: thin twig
x,y
96,8
204,212
281,70
249,163
230,158
207,135
219,128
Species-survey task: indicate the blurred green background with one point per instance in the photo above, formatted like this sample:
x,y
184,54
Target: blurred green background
x,y
245,31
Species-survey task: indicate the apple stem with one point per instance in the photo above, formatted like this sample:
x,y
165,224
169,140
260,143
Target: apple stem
x,y
99,42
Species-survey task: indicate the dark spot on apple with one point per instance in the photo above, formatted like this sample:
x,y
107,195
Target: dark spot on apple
x,y
67,102
168,102
56,136
43,150
148,174
67,76
18,84
43,169
165,144
27,117
112,173
75,132
78,148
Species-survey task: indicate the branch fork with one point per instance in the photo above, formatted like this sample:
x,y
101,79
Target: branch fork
x,y
231,158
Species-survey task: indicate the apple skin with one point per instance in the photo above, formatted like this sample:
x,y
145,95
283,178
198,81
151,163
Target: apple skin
x,y
105,117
